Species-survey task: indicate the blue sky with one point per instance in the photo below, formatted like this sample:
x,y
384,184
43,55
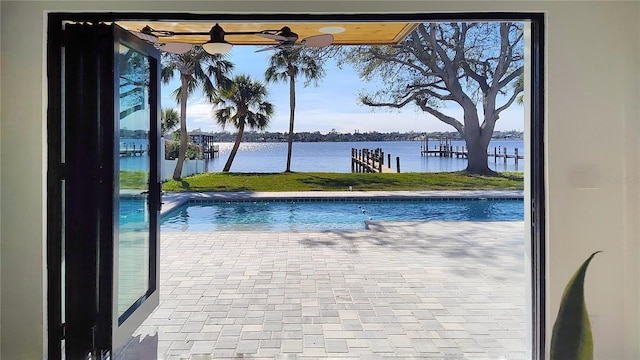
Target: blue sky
x,y
331,105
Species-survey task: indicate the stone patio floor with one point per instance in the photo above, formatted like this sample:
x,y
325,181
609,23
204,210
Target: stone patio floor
x,y
425,290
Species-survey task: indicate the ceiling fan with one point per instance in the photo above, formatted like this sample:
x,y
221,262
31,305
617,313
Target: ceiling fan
x,y
287,39
218,45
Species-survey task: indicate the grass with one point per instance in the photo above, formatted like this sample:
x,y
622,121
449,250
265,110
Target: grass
x,y
221,182
137,180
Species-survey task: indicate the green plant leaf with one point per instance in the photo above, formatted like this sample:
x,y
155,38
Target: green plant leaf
x,y
571,338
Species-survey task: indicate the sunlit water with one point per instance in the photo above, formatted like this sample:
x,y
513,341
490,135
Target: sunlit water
x,y
335,157
331,215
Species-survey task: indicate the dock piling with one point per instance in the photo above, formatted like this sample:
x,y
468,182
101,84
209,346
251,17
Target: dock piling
x,y
370,161
444,148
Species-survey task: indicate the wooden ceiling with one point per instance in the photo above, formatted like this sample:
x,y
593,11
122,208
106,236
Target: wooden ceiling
x,y
357,33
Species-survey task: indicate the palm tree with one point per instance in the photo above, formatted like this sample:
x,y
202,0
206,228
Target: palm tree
x,y
242,104
286,64
170,119
520,82
196,68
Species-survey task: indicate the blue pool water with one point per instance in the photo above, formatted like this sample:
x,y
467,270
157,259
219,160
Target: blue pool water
x,y
133,213
331,215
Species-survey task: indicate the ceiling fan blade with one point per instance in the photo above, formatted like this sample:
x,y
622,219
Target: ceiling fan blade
x,y
318,40
272,37
268,48
145,36
175,47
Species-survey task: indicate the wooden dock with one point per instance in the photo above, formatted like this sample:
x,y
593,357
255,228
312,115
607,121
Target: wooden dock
x,y
445,149
131,150
372,161
211,151
206,142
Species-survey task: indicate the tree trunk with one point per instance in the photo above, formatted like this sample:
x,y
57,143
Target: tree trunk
x,y
477,154
292,111
234,150
177,173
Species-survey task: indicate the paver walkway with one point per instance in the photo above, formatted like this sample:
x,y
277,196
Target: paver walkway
x,y
432,290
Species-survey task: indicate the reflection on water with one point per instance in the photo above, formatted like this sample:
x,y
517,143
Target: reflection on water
x,y
335,157
327,215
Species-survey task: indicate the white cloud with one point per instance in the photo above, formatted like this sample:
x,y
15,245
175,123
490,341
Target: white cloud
x,y
200,115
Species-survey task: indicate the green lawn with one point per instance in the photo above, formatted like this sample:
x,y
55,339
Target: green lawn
x,y
342,181
134,179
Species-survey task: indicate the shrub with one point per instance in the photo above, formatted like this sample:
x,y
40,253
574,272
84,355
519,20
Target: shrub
x,y
172,149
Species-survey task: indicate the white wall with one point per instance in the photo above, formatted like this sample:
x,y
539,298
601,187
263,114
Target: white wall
x,y
189,167
0,230
593,196
592,96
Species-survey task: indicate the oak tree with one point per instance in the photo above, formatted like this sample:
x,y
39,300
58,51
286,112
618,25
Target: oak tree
x,y
475,66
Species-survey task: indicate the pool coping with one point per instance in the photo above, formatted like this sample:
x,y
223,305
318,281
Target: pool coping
x,y
171,201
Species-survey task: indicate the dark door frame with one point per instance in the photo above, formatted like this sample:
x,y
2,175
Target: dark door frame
x,y
55,172
84,181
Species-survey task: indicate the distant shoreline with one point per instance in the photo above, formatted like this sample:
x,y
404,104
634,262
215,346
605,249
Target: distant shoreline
x,y
332,136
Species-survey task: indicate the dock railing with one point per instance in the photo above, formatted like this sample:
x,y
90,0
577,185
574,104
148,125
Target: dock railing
x,y
443,148
127,149
371,161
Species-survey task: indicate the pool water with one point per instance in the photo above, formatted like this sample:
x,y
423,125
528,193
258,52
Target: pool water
x,y
331,215
133,210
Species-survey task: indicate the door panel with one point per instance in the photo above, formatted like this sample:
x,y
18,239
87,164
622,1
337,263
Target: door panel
x,y
111,187
131,273
82,118
135,222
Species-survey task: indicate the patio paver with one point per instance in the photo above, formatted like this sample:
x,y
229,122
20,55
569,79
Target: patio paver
x,y
428,290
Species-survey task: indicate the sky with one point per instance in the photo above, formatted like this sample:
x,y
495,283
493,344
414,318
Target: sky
x,y
333,104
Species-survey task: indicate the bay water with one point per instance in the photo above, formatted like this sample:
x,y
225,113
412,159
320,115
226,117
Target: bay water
x,y
336,156
271,157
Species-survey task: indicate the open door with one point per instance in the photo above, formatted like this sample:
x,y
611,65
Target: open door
x,y
110,187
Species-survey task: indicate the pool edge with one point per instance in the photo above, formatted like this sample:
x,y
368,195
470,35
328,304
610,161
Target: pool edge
x,y
171,201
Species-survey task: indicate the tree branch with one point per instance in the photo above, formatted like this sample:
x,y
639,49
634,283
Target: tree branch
x,y
368,102
517,40
481,80
443,117
394,59
429,61
511,77
433,84
506,52
449,68
408,98
436,95
513,97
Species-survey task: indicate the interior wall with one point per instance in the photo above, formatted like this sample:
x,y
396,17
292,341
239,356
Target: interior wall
x,y
592,139
592,149
0,202
0,216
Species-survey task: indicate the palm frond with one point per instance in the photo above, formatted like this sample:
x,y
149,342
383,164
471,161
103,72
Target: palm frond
x,y
201,69
177,95
224,116
166,73
243,103
218,70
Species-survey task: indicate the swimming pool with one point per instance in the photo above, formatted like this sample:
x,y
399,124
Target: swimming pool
x,y
133,209
314,215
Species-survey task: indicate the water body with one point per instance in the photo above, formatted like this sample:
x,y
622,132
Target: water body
x,y
335,157
332,215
